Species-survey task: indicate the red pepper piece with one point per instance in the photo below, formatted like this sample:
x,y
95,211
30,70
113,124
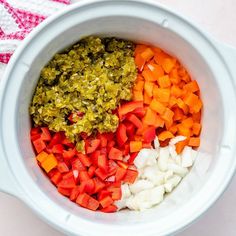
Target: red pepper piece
x,y
103,140
103,194
46,135
122,164
132,158
121,135
64,191
67,183
98,185
39,145
91,145
120,174
149,134
94,157
67,143
58,148
109,209
57,138
129,107
102,163
134,120
75,193
77,165
130,129
85,160
34,131
83,176
116,194
56,178
115,154
69,154
62,167
130,176
91,171
93,204
140,112
83,199
101,174
126,149
112,167
106,201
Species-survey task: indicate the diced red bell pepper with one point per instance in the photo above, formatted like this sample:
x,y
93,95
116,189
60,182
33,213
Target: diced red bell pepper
x,y
109,209
132,157
120,174
140,112
83,199
94,157
77,165
103,140
130,129
116,194
74,193
110,145
83,176
101,174
35,137
102,163
62,167
98,185
34,131
46,135
58,148
67,143
106,201
57,138
149,134
67,175
129,107
91,145
85,160
109,135
112,167
56,178
64,191
68,154
115,154
103,194
130,176
87,186
122,164
39,145
93,204
121,135
134,120
126,149
67,183
91,171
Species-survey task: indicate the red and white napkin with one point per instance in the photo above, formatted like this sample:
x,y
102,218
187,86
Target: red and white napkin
x,y
18,18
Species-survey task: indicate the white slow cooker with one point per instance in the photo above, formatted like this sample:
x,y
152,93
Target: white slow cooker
x,y
211,63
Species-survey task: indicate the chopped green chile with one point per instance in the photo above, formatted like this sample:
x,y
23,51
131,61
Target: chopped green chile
x,y
90,78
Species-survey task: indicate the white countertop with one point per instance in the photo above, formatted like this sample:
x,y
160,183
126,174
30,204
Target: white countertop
x,y
218,18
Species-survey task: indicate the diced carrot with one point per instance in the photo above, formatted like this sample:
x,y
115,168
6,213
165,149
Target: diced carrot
x,y
182,105
147,54
150,117
196,107
159,122
182,130
106,201
160,57
188,122
157,106
161,94
178,114
139,61
167,115
176,91
140,48
148,87
186,78
190,99
180,146
165,135
156,70
42,156
135,146
196,128
172,101
168,64
156,49
168,124
137,95
197,117
192,86
148,75
139,85
164,81
181,71
146,99
194,142
49,163
173,129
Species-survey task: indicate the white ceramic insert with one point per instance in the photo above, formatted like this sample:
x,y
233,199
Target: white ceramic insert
x,y
211,63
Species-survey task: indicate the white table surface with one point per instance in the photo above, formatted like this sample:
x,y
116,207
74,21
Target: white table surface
x,y
217,17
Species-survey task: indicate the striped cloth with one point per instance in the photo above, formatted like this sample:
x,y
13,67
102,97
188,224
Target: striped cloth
x,y
18,18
